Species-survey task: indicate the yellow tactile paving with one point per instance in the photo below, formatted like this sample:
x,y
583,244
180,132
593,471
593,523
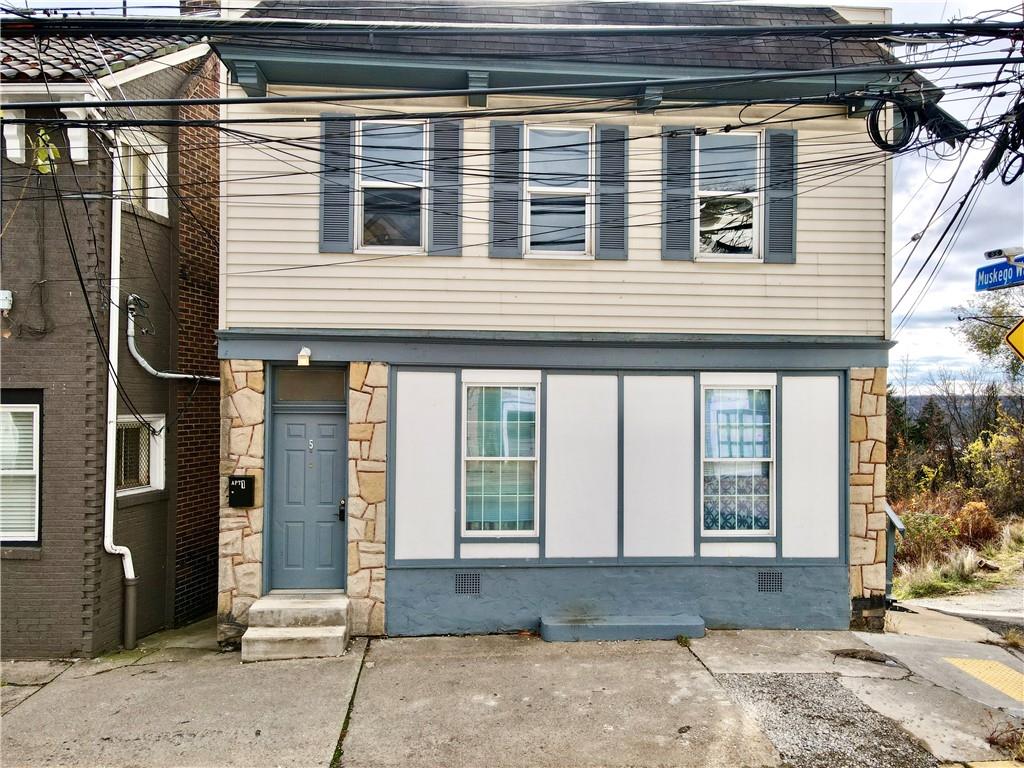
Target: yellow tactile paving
x,y
995,674
997,764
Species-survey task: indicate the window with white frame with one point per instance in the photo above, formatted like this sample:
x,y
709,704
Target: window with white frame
x,y
139,455
738,459
559,191
144,167
391,185
500,458
727,196
19,472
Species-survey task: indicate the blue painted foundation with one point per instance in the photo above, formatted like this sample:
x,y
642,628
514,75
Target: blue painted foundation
x,y
571,629
423,601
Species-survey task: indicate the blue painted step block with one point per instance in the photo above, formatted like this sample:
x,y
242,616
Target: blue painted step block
x,y
565,629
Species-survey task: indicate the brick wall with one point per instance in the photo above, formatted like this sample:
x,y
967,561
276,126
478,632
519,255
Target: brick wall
x,y
198,216
48,592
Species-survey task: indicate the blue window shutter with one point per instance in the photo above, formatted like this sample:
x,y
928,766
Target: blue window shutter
x,y
677,208
445,197
780,197
336,182
506,235
612,174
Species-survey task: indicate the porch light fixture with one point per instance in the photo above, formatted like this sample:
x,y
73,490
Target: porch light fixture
x,y
303,356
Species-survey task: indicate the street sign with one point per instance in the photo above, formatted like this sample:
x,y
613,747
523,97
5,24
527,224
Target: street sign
x,y
1015,339
991,277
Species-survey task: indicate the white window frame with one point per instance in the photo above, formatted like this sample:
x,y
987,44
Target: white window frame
x,y
35,410
756,197
156,454
360,185
499,378
589,191
767,381
157,179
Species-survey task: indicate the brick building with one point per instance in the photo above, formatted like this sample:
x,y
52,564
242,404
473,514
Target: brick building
x,y
139,199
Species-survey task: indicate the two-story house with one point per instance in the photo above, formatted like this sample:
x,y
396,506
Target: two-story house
x,y
109,401
584,334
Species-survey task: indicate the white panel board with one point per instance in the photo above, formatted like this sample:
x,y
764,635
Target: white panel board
x,y
486,550
737,549
657,435
424,465
581,503
810,466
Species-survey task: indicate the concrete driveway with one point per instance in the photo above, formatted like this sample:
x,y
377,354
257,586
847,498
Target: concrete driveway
x,y
518,701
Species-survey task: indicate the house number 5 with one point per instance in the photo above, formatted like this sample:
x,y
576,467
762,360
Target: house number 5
x,y
310,446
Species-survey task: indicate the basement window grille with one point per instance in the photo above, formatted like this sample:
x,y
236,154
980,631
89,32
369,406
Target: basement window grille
x,y
467,583
139,455
769,581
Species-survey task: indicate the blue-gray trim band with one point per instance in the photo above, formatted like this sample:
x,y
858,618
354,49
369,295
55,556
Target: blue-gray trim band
x,y
646,351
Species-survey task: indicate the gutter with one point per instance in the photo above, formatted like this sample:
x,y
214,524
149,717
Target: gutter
x,y
110,481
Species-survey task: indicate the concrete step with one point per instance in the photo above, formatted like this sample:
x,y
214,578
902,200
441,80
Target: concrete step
x,y
562,629
276,643
300,609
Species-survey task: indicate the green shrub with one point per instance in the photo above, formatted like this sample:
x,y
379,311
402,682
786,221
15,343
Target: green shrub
x,y
928,536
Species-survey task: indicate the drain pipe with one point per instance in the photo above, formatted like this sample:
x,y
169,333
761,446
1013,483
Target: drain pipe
x,y
134,303
110,481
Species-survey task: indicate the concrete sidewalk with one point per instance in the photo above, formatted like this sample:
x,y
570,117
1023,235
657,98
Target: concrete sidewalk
x,y
733,698
177,701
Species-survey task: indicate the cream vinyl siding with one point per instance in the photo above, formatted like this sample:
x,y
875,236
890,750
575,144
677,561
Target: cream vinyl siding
x,y
837,286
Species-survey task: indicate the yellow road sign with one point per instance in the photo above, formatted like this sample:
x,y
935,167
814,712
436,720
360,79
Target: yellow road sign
x,y
1015,338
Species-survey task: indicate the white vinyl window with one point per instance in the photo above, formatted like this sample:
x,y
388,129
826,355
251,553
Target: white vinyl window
x,y
499,455
391,162
559,192
139,455
728,170
19,473
738,458
144,164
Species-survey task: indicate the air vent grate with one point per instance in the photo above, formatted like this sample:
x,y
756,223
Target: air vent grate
x,y
467,583
769,581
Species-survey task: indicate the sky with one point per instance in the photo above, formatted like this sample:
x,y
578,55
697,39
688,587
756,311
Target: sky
x,y
927,342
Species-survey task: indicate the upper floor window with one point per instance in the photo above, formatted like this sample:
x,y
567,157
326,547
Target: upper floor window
x,y
19,472
727,196
391,185
559,191
144,171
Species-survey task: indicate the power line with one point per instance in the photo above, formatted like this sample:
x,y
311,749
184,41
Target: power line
x,y
84,26
691,82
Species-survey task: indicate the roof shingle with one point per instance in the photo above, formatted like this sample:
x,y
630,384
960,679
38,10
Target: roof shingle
x,y
662,50
63,59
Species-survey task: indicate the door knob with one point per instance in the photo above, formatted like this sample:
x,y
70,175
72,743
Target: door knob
x,y
341,509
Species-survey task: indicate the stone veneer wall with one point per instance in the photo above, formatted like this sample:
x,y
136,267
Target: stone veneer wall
x,y
867,488
241,530
240,577
367,491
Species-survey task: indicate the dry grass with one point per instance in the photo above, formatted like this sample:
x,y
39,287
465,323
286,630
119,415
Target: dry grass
x,y
1009,738
959,570
1014,638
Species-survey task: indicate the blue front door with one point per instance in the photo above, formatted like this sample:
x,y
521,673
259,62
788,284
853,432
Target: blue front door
x,y
307,536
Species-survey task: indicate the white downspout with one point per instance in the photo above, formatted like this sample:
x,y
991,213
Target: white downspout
x,y
133,300
113,344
